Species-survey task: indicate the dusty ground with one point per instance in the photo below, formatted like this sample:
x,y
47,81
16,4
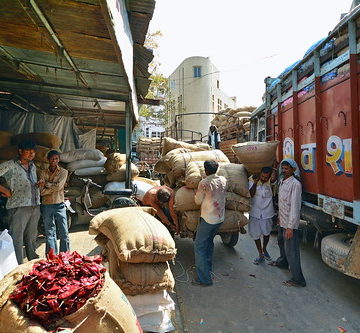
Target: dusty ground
x,y
250,298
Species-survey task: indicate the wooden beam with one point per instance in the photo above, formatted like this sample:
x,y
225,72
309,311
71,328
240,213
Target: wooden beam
x,y
39,87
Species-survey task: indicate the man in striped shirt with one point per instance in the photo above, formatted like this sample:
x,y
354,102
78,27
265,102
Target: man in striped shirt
x,y
289,215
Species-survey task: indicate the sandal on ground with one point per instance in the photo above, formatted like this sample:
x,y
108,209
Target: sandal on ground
x,y
273,263
258,260
267,256
292,283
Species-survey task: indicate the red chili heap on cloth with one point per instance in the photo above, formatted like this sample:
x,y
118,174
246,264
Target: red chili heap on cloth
x,y
59,286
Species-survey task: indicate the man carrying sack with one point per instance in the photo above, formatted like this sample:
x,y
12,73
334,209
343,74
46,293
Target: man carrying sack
x,y
211,196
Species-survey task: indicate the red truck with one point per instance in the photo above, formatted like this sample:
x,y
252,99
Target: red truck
x,y
312,109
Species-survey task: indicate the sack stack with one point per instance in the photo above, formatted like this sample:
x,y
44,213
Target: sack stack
x,y
238,122
148,144
184,169
116,168
138,247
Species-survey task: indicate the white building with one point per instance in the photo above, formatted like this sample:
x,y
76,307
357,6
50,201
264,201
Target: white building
x,y
149,127
195,87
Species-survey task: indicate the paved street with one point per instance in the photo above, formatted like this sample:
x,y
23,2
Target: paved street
x,y
250,298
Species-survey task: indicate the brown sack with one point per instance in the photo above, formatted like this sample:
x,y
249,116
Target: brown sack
x,y
256,155
42,139
138,237
109,311
194,173
237,202
179,162
162,165
5,138
120,175
185,199
137,279
10,152
232,223
236,178
170,144
147,180
98,199
114,162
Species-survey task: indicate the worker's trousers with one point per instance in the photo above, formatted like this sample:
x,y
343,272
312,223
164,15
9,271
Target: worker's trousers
x,y
290,255
204,248
23,223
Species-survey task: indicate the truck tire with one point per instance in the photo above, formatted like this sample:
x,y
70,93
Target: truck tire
x,y
335,249
229,239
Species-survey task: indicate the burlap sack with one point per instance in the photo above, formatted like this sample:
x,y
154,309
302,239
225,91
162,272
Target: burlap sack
x,y
179,162
120,175
138,237
85,164
237,202
194,173
170,144
100,218
11,152
114,162
81,154
162,165
137,279
256,155
147,180
232,223
236,178
42,139
185,199
5,138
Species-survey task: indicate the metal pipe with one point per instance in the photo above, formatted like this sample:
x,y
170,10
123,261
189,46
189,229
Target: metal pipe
x,y
56,40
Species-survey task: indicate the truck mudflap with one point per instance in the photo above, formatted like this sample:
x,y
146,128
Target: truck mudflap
x,y
352,264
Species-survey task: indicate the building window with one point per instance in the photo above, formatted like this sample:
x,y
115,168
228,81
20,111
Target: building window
x,y
219,104
225,106
218,84
172,84
197,71
147,132
213,103
180,104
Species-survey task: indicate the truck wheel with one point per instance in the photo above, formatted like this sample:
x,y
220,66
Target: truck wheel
x,y
229,239
335,249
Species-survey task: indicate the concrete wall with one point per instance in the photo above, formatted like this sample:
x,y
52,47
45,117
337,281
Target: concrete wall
x,y
196,94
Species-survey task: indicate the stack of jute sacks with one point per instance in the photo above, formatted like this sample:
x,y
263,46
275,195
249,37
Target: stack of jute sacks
x,y
148,144
138,248
239,118
183,171
44,143
116,168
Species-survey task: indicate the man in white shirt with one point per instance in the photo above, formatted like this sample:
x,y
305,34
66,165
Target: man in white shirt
x,y
262,211
211,196
289,216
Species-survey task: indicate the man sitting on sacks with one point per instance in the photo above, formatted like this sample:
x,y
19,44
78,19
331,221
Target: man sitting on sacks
x,y
162,199
262,210
211,196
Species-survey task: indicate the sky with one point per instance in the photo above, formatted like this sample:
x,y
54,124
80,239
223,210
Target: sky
x,y
246,40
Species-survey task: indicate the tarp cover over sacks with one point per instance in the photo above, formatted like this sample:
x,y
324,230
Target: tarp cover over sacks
x,y
109,311
179,162
170,144
256,155
138,237
137,279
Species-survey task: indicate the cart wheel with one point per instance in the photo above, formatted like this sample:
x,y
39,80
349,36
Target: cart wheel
x,y
229,239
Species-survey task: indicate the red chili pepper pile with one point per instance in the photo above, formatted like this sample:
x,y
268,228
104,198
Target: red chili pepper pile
x,y
59,286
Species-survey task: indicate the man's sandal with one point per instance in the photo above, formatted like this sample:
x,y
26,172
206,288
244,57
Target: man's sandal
x,y
292,283
258,260
267,256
